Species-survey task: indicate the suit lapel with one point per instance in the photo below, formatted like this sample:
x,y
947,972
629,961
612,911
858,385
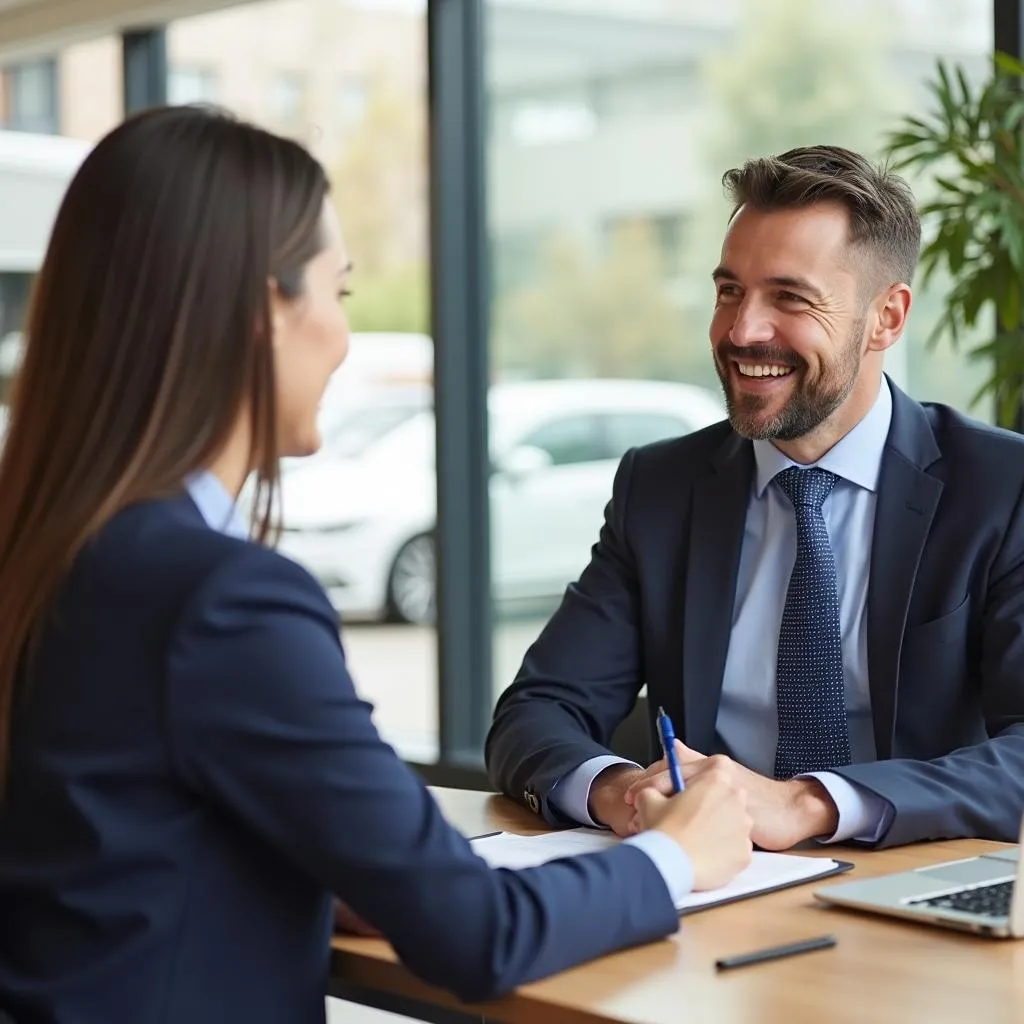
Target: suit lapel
x,y
717,521
907,499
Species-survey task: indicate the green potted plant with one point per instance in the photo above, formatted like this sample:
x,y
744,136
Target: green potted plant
x,y
971,144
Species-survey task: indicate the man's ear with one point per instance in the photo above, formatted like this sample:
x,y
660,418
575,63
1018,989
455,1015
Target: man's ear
x,y
892,310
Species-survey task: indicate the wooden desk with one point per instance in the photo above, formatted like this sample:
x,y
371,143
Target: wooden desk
x,y
882,970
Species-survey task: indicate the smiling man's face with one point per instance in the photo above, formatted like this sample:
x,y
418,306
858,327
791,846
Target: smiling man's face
x,y
788,332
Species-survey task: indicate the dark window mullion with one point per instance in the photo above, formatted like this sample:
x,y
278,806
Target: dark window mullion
x,y
460,294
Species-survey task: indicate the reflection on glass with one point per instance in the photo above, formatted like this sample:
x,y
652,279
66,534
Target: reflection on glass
x,y
611,124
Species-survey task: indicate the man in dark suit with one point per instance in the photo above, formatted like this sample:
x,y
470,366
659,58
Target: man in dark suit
x,y
825,592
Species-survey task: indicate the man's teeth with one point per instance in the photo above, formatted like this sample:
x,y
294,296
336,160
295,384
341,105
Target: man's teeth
x,y
764,371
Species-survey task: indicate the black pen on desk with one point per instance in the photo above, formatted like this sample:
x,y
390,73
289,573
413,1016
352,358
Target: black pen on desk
x,y
776,952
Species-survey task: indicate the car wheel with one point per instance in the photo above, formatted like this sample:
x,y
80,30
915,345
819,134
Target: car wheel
x,y
412,584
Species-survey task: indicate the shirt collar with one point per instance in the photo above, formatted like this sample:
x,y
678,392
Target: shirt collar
x,y
215,504
857,457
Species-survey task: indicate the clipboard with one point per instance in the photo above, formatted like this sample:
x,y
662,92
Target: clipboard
x,y
840,867
767,872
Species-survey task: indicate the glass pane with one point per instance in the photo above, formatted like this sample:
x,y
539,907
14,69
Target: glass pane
x,y
611,123
348,78
51,111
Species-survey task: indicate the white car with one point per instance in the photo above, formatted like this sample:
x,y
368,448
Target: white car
x,y
360,514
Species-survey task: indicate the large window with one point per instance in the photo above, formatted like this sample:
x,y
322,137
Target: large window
x,y
348,78
608,126
611,123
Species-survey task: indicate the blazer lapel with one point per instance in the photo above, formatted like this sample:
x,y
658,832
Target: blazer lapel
x,y
906,503
717,520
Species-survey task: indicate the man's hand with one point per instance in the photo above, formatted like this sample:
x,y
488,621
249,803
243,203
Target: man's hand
x,y
709,822
607,802
784,812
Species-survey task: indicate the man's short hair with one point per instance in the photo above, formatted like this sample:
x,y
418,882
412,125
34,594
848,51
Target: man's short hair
x,y
884,223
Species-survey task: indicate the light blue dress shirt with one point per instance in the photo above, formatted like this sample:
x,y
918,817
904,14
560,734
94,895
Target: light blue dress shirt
x,y
218,509
220,512
747,723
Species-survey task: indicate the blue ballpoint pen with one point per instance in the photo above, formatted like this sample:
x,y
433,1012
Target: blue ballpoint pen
x,y
668,745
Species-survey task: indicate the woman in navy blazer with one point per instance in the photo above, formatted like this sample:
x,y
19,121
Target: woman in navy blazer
x,y
188,774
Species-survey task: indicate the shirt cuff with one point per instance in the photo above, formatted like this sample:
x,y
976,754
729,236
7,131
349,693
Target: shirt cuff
x,y
863,815
671,860
571,793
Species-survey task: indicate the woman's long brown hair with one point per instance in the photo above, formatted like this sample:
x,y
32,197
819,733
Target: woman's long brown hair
x,y
147,335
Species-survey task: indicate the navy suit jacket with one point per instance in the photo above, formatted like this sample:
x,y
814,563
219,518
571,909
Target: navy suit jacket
x,y
193,776
945,623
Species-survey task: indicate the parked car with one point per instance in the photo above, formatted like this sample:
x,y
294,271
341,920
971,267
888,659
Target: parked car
x,y
360,514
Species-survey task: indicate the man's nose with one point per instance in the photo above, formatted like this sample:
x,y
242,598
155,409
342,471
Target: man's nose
x,y
752,326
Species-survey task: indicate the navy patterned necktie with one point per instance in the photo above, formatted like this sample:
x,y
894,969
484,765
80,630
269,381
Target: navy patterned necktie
x,y
811,705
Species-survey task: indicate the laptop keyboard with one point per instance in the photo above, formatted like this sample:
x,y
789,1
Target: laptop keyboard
x,y
984,900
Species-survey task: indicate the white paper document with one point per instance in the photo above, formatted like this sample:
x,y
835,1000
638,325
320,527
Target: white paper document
x,y
765,872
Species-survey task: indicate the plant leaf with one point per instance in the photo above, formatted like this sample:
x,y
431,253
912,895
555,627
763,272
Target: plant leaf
x,y
970,147
1009,308
1008,64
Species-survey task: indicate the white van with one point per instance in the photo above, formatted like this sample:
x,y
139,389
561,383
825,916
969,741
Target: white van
x,y
35,171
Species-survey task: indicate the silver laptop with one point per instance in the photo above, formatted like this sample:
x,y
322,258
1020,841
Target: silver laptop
x,y
980,894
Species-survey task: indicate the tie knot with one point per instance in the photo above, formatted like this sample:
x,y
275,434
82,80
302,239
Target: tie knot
x,y
806,486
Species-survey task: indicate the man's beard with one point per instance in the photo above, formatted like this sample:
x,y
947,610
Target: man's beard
x,y
810,404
